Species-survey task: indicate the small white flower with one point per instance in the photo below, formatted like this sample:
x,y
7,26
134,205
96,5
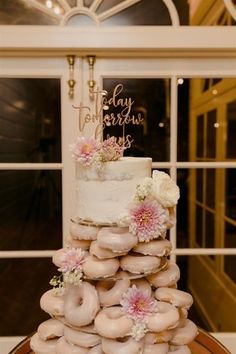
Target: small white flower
x,y
164,189
139,330
74,277
143,189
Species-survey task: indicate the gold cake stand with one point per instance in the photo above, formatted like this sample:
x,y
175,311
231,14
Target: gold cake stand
x,y
203,344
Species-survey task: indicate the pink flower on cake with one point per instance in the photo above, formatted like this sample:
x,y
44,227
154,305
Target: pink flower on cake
x,y
148,220
110,150
137,304
72,260
84,150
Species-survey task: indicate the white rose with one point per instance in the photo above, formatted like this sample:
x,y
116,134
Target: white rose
x,y
164,189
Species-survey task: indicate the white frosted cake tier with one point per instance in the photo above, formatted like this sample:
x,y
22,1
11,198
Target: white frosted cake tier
x,y
103,196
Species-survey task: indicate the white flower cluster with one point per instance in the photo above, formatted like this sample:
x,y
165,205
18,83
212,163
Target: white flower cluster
x,y
74,277
161,187
139,330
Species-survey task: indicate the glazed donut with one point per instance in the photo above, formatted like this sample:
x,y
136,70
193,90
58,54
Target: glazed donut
x,y
40,346
117,239
166,277
81,314
160,348
159,337
111,322
158,248
102,253
140,264
83,244
96,268
110,293
142,285
52,304
50,329
166,317
63,347
96,350
176,297
185,333
81,339
127,346
83,232
182,349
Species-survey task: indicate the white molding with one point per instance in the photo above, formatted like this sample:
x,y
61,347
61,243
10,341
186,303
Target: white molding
x,y
31,166
144,39
27,254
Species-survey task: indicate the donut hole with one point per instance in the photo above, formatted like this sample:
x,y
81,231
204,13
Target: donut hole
x,y
122,340
106,285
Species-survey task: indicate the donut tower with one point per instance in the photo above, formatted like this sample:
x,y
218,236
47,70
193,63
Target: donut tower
x,y
116,288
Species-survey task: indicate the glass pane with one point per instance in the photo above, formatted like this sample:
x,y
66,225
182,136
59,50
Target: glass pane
x,y
200,135
150,105
30,120
30,210
210,188
205,280
209,229
230,193
211,134
19,12
206,119
23,281
199,226
229,267
230,235
231,130
199,185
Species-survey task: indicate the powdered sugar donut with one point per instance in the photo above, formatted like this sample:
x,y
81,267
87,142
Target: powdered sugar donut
x,y
117,239
110,293
142,285
96,350
140,264
83,232
40,346
166,277
81,304
81,339
159,337
160,348
96,268
63,347
185,333
50,329
52,304
176,297
83,244
111,322
127,346
102,253
158,248
182,349
166,317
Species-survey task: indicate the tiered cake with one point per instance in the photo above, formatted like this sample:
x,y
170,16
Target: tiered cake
x,y
116,292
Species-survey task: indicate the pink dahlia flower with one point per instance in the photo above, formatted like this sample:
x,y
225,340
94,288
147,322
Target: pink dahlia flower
x,y
72,260
138,304
148,220
110,150
84,150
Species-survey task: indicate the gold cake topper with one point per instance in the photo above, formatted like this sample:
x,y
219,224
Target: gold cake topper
x,y
103,119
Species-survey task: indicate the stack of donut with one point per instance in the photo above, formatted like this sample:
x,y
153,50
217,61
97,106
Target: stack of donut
x,y
89,318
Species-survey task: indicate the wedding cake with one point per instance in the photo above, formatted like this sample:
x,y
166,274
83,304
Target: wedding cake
x,y
116,292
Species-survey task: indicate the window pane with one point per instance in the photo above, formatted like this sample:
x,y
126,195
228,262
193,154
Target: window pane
x,y
231,130
151,102
230,235
23,281
30,120
206,119
30,210
230,193
211,134
229,267
199,185
200,135
199,226
209,229
196,277
210,187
